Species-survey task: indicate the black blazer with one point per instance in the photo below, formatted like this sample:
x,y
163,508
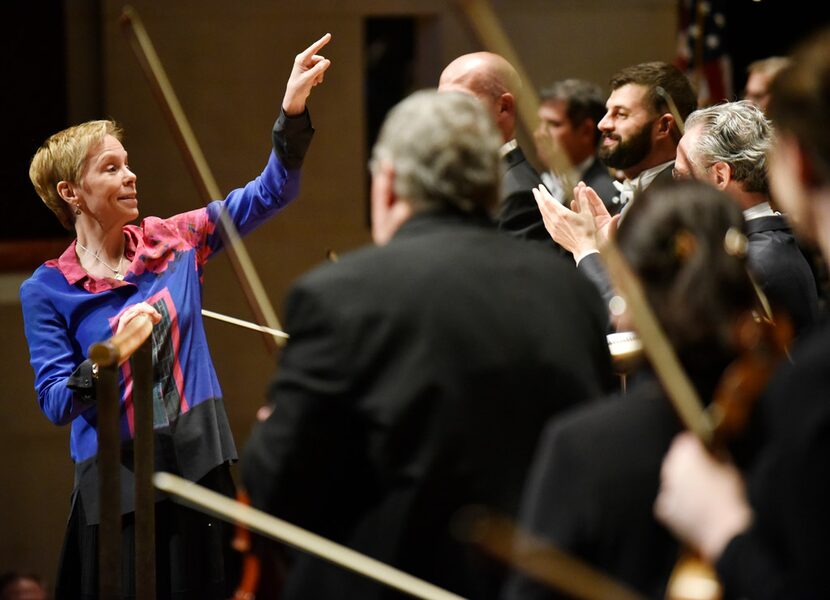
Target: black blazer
x,y
781,271
415,383
784,552
600,180
592,267
519,214
593,483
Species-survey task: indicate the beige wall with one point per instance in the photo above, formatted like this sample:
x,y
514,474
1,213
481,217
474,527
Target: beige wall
x,y
229,61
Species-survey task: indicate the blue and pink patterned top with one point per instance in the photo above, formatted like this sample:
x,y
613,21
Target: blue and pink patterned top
x,y
65,310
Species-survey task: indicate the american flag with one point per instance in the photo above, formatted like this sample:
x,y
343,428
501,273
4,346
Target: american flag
x,y
701,51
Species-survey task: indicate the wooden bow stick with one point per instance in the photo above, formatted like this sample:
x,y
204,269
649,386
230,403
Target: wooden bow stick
x,y
547,564
241,323
197,165
692,573
656,346
492,36
232,511
678,120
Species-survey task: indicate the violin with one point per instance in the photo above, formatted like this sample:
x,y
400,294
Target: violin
x,y
762,344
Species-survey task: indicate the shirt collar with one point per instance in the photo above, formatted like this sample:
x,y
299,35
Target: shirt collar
x,y
644,179
761,209
70,267
508,147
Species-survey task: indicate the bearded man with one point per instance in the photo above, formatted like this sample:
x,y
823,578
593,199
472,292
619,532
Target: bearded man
x,y
639,138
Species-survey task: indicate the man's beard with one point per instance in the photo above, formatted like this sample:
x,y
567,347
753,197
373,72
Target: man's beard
x,y
627,154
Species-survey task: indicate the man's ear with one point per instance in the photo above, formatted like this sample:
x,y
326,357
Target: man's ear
x,y
723,174
386,183
665,125
388,210
507,104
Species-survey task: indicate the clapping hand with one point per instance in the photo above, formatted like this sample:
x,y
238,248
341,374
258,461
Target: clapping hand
x,y
581,229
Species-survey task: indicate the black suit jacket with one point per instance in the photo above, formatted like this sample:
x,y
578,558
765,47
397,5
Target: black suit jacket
x,y
592,267
415,383
593,483
519,214
784,552
781,271
600,180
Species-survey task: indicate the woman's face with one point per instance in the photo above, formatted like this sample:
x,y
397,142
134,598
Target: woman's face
x,y
108,186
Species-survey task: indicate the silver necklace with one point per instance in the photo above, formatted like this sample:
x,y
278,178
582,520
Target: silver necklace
x,y
94,255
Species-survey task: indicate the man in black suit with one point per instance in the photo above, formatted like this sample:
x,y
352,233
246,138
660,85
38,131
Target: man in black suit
x,y
494,81
727,146
639,137
568,116
419,372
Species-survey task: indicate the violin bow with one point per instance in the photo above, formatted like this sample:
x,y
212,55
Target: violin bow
x,y
243,268
232,511
691,575
491,34
657,347
249,281
539,559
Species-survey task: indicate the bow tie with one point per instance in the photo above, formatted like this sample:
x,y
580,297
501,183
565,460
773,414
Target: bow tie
x,y
626,190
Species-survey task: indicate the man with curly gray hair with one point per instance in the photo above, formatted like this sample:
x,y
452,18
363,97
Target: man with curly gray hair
x,y
420,371
726,145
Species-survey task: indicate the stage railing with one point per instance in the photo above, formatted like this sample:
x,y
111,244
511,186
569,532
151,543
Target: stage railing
x,y
108,356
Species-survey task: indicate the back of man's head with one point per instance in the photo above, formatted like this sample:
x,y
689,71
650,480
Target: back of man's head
x,y
583,99
490,78
738,134
656,74
699,286
444,150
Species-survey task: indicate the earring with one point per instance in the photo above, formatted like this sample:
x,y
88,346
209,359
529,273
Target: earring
x,y
77,209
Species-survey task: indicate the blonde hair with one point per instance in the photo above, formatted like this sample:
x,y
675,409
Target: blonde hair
x,y
62,157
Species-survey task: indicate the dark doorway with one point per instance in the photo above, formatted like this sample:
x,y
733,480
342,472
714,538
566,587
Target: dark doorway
x,y
35,101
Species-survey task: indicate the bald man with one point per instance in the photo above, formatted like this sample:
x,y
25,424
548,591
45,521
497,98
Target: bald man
x,y
494,81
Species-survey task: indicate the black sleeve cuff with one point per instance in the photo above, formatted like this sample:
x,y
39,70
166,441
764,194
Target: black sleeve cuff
x,y
82,382
292,137
748,570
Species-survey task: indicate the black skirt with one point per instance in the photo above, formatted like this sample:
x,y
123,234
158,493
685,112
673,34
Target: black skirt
x,y
194,559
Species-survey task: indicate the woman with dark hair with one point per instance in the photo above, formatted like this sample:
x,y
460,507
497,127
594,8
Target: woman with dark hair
x,y
596,472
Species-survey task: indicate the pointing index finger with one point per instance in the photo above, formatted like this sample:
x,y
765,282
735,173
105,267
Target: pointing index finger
x,y
315,47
